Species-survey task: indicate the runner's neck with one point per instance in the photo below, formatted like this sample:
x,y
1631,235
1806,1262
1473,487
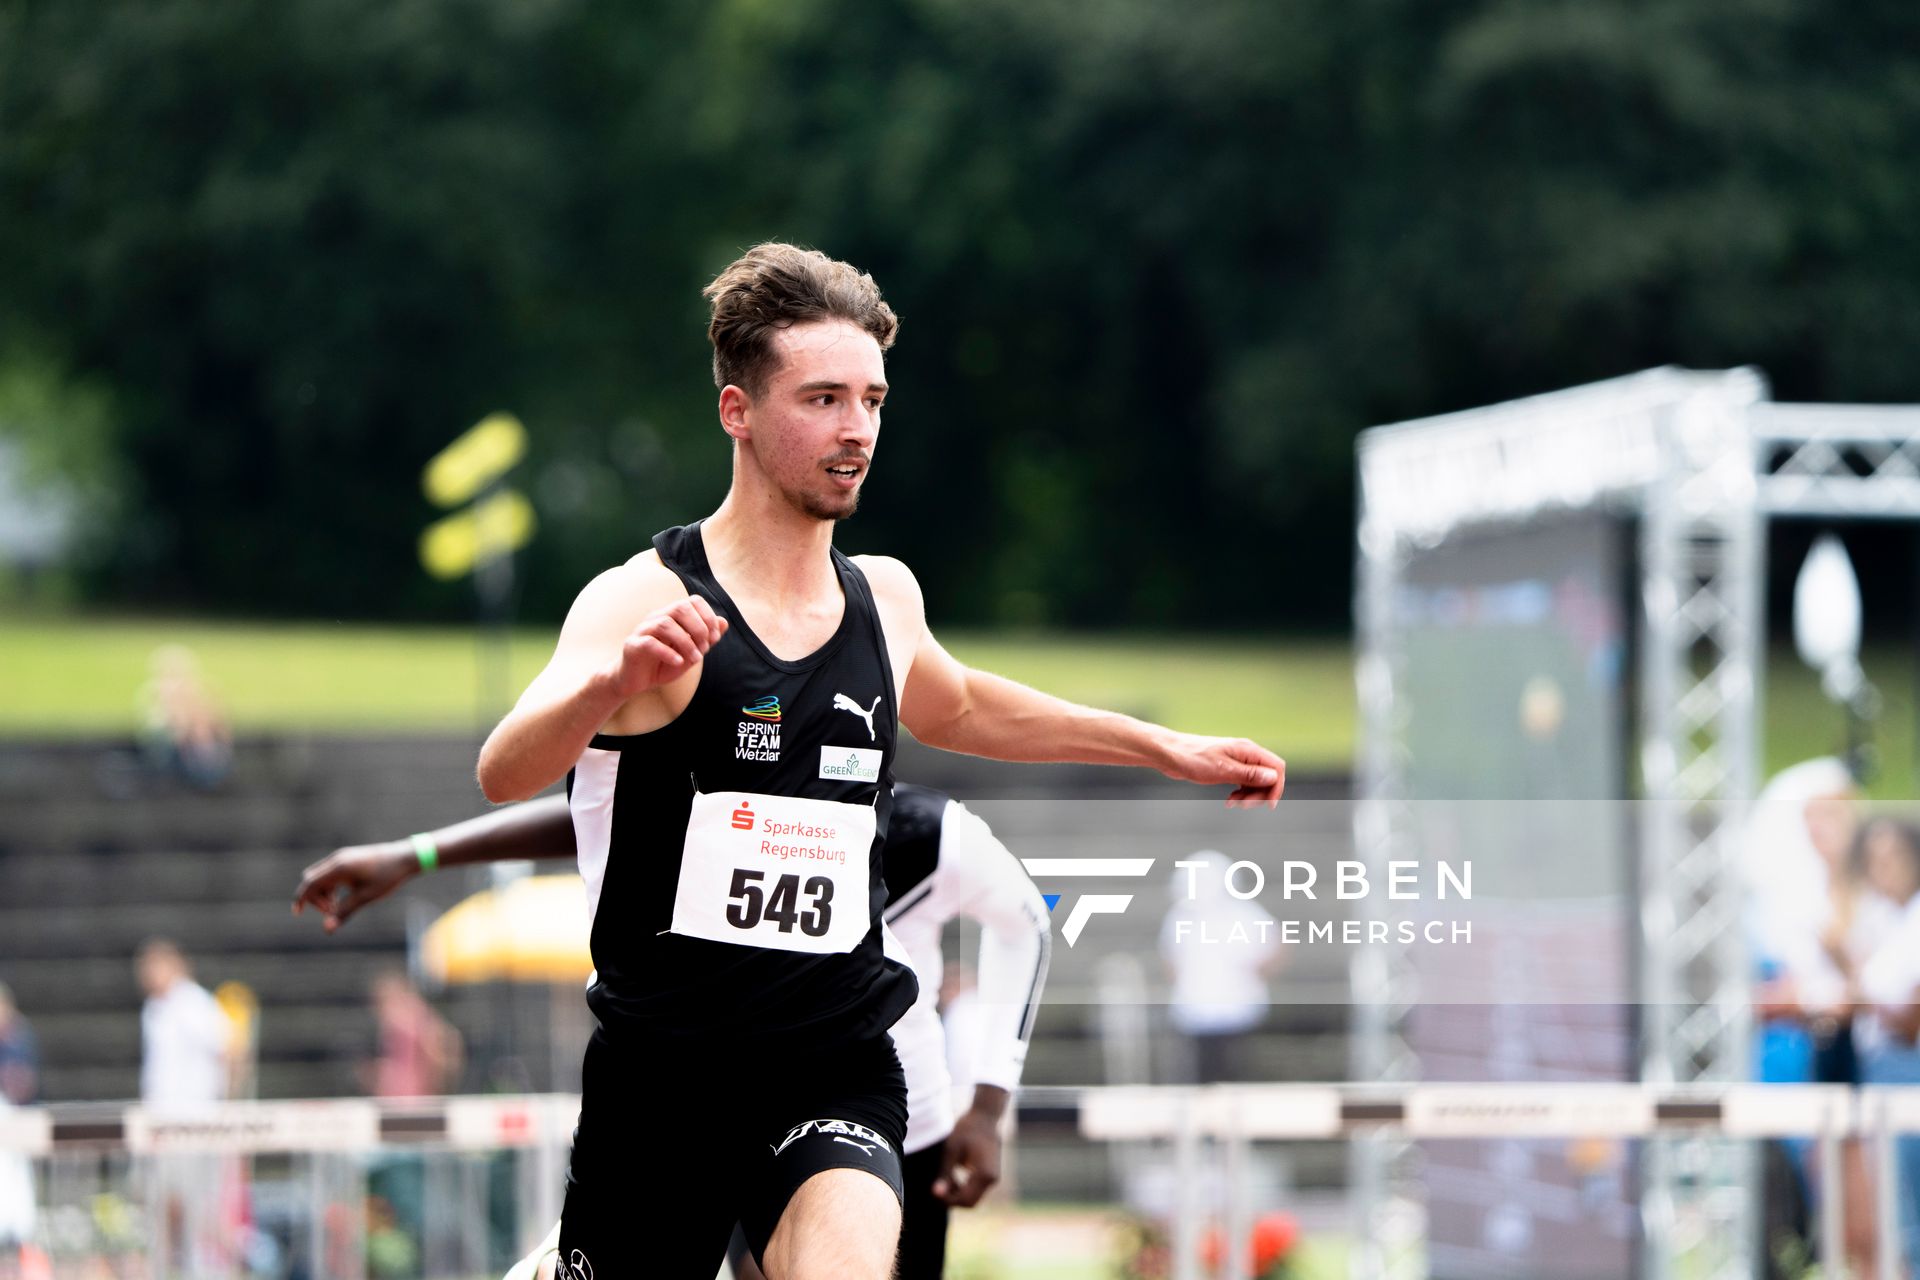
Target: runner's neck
x,y
782,565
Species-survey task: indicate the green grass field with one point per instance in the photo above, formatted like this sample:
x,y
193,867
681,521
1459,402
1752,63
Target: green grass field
x,y
69,676
72,676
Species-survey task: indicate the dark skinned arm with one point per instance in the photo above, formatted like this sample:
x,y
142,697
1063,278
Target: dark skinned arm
x,y
348,879
971,1163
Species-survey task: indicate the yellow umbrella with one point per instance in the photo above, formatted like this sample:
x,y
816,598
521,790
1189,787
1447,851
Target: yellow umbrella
x,y
533,930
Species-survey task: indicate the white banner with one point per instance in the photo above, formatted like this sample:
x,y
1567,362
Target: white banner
x,y
1516,1110
240,1127
486,1124
1768,1111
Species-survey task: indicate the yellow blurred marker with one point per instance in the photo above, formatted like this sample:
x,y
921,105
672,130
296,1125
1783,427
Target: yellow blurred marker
x,y
482,454
454,546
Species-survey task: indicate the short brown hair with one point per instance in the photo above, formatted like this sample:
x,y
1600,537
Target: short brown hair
x,y
775,286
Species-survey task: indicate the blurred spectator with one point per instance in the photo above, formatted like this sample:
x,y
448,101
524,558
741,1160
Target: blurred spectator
x,y
1813,919
1220,950
19,1055
1803,907
183,1034
1863,931
184,1038
420,1054
19,1086
242,1011
184,731
1888,988
16,1202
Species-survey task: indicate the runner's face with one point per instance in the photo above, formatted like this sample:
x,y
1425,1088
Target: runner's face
x,y
813,429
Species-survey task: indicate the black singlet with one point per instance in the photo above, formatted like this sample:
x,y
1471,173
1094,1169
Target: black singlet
x,y
760,725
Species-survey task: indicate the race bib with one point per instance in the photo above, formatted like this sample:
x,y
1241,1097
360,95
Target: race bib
x,y
775,871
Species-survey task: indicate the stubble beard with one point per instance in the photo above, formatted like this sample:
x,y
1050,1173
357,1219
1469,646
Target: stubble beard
x,y
819,508
829,506
832,508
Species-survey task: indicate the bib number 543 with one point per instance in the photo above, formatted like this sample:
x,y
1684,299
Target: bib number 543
x,y
748,904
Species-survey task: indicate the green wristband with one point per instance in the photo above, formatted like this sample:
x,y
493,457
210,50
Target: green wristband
x,y
427,851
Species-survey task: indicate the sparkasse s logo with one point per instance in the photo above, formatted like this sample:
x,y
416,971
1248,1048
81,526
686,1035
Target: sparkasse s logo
x,y
1087,905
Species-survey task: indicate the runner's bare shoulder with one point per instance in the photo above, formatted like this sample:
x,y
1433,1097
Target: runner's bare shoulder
x,y
616,601
892,582
903,611
646,577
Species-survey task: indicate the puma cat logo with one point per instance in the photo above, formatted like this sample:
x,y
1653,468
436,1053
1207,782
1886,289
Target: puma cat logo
x,y
841,702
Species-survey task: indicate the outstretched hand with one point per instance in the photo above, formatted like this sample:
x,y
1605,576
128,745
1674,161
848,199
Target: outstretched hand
x,y
348,879
1256,774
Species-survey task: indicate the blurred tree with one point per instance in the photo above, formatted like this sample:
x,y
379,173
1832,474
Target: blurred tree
x,y
292,238
1156,263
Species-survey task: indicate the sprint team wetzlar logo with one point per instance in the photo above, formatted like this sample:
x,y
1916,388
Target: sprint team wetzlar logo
x,y
1087,904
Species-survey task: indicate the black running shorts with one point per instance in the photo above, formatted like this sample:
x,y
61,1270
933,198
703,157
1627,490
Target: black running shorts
x,y
674,1146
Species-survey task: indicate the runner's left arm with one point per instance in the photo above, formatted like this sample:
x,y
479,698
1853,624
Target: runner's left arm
x,y
990,886
959,708
348,879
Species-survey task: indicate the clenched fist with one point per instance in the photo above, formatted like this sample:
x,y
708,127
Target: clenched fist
x,y
665,645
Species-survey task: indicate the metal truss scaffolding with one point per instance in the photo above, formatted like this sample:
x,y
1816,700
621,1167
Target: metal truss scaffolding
x,y
1703,460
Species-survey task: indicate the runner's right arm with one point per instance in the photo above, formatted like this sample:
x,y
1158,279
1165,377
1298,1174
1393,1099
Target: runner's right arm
x,y
632,632
348,879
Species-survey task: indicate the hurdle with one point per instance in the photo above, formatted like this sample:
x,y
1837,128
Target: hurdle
x,y
1231,1117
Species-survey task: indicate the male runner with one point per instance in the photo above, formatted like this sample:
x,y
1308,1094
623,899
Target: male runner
x,y
726,706
942,863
